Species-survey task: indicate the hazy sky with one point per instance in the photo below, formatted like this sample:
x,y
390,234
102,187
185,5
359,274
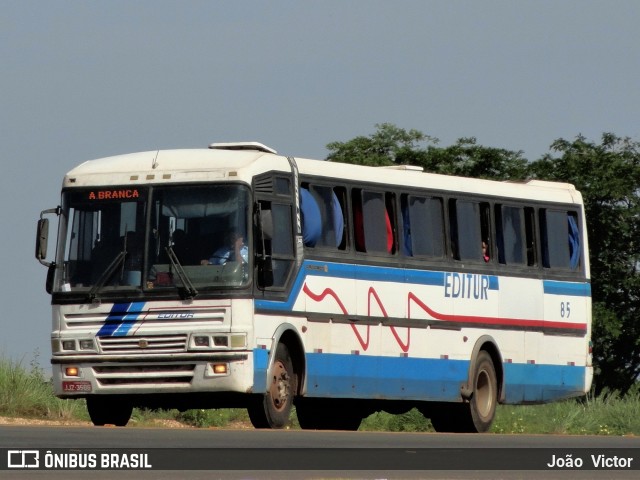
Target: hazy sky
x,y
87,79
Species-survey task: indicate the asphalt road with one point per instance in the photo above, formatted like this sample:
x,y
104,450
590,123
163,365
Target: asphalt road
x,y
248,454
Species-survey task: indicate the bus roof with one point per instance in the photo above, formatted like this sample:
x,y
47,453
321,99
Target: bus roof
x,y
242,161
415,177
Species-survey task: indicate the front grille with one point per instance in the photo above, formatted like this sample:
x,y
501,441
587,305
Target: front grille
x,y
144,344
144,374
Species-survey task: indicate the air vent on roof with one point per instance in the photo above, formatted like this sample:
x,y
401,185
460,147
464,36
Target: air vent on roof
x,y
412,168
242,146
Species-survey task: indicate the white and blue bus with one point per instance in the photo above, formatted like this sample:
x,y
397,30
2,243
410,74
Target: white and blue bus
x,y
236,277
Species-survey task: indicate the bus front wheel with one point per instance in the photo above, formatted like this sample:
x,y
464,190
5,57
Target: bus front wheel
x,y
272,409
107,410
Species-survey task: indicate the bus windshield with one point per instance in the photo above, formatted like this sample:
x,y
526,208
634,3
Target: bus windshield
x,y
171,237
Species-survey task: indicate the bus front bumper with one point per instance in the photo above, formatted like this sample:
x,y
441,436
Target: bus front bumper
x,y
82,375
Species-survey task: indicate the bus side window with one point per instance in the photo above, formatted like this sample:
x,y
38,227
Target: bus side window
x,y
422,226
278,243
561,243
282,186
486,244
311,218
510,235
340,202
331,216
530,236
390,222
574,241
358,221
282,243
373,223
470,224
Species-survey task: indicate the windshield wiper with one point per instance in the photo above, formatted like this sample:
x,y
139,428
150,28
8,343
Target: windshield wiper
x,y
187,287
106,275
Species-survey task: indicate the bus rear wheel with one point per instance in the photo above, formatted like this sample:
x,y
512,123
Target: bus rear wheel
x,y
107,410
483,402
476,414
272,409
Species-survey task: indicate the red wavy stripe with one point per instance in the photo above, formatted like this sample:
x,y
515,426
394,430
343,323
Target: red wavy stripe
x,y
519,322
328,292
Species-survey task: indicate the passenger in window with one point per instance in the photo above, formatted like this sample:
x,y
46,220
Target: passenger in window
x,y
389,230
311,218
485,252
234,250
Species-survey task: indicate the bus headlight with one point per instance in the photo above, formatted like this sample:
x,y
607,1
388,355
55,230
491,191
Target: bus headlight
x,y
201,341
221,341
73,345
86,344
217,341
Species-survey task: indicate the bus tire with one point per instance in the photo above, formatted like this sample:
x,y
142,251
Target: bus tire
x,y
484,400
272,409
106,410
475,415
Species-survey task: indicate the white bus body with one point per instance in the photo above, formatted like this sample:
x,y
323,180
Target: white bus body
x,y
361,289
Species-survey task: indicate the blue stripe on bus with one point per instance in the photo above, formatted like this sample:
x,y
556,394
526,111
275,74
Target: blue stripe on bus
x,y
360,272
552,287
121,319
260,364
365,376
369,377
387,274
542,383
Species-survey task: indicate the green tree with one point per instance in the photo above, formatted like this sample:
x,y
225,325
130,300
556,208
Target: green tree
x,y
391,145
608,175
468,159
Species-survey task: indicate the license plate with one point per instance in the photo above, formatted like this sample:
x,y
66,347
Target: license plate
x,y
76,386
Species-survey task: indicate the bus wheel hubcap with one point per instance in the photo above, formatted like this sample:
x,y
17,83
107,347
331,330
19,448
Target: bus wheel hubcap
x,y
280,385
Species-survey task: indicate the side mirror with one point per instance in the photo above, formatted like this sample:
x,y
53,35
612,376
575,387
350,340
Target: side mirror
x,y
42,240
